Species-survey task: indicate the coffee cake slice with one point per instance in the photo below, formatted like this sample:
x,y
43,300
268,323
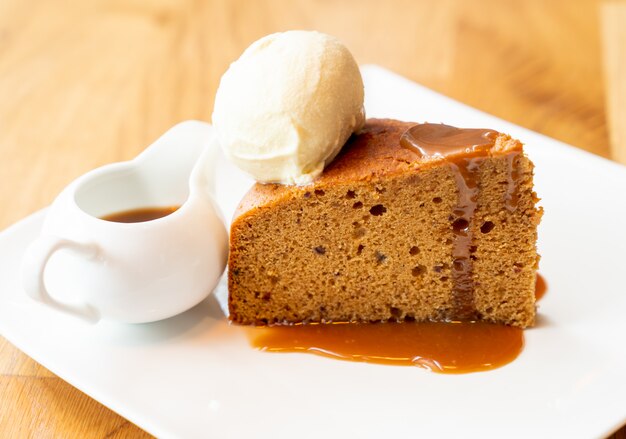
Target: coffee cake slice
x,y
409,222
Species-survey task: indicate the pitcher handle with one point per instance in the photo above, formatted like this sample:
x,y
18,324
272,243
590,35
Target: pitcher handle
x,y
33,268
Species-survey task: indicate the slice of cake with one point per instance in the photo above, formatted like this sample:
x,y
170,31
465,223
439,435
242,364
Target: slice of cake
x,y
409,222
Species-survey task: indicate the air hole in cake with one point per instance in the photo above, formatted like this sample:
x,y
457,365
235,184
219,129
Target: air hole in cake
x,y
409,318
380,189
359,249
331,282
266,296
460,225
357,205
444,278
273,279
414,250
473,249
307,194
320,250
448,241
378,210
380,257
350,195
319,192
437,200
418,270
487,227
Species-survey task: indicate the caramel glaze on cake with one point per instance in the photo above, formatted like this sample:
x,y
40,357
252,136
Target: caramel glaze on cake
x,y
410,222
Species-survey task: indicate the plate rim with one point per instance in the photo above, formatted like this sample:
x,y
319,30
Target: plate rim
x,y
145,422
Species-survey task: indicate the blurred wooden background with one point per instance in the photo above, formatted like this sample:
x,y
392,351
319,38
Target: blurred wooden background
x,y
90,82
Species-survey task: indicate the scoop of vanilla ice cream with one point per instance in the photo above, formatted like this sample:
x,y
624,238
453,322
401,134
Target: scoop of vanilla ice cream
x,y
285,108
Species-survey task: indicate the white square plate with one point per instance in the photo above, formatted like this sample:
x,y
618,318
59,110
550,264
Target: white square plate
x,y
194,375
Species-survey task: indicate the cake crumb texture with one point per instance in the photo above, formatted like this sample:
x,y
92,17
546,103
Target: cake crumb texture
x,y
372,240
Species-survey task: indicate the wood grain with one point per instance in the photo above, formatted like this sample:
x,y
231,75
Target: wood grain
x,y
614,45
87,83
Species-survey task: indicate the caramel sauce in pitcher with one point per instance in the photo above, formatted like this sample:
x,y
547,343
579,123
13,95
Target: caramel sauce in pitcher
x,y
140,215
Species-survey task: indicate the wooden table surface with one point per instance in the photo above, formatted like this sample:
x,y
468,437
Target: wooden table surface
x,y
91,82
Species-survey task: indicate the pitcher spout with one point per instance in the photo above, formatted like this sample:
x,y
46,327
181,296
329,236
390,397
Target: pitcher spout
x,y
178,149
203,175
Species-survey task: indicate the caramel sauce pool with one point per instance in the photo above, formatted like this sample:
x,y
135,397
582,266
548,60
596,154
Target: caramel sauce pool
x,y
140,215
455,347
450,347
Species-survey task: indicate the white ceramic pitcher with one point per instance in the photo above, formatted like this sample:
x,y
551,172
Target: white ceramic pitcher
x,y
134,272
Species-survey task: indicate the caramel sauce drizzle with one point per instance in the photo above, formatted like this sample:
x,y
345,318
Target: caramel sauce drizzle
x,y
465,150
448,142
466,174
540,287
511,198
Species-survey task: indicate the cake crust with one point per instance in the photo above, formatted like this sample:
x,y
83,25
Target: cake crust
x,y
372,239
